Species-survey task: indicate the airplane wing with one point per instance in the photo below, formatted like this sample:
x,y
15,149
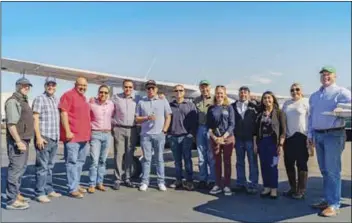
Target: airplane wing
x,y
45,70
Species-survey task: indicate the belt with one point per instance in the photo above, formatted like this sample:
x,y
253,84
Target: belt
x,y
329,130
125,126
103,130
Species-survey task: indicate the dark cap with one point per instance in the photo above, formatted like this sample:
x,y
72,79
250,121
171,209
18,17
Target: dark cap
x,y
150,83
50,80
244,88
23,80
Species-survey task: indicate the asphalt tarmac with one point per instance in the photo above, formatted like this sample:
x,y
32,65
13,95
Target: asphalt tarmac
x,y
172,206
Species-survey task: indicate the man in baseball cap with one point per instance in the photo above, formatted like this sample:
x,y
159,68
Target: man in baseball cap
x,y
150,83
19,132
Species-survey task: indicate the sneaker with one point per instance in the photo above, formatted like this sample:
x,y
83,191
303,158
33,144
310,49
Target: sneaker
x,y
43,199
143,187
18,205
162,187
77,195
101,187
227,191
216,190
176,184
54,194
82,190
23,199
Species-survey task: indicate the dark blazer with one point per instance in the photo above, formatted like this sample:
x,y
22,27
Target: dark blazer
x,y
278,124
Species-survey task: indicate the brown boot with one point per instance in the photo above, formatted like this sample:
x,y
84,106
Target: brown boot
x,y
302,184
293,184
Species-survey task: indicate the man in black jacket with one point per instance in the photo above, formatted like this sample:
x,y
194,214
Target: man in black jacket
x,y
245,117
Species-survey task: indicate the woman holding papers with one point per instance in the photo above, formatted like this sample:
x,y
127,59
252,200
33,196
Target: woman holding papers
x,y
295,148
221,122
269,140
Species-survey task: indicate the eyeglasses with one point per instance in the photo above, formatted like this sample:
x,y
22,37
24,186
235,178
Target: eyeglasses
x,y
103,92
128,87
178,90
295,89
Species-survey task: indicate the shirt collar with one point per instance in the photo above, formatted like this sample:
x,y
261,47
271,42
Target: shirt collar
x,y
322,88
122,95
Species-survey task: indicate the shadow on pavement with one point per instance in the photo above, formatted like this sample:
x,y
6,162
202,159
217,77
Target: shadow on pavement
x,y
253,208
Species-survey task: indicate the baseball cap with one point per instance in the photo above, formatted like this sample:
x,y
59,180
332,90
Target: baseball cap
x,y
23,80
328,69
150,83
50,80
204,82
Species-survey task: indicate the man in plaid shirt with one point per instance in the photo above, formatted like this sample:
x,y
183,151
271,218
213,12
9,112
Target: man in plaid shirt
x,y
46,126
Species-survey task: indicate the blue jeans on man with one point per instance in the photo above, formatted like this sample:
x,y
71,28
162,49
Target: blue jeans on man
x,y
45,161
242,147
181,147
205,156
329,147
76,157
150,143
99,148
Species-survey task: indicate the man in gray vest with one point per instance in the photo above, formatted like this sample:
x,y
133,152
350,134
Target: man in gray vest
x,y
19,132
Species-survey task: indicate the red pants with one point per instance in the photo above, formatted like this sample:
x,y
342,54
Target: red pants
x,y
223,156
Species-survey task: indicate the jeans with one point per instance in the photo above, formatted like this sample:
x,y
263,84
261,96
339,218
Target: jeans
x,y
329,147
268,162
149,143
76,157
243,147
181,147
44,164
99,149
205,155
17,167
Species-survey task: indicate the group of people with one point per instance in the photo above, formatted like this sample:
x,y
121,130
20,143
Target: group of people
x,y
211,121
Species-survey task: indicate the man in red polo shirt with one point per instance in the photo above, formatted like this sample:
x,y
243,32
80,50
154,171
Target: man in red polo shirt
x,y
75,133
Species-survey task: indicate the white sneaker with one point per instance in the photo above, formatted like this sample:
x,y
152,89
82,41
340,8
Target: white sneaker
x,y
162,187
216,190
43,199
143,187
227,191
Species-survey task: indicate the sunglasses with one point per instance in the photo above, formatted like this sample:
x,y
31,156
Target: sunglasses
x,y
295,89
220,86
128,87
178,90
150,88
103,92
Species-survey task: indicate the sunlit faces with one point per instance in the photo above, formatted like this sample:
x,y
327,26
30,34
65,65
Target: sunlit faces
x,y
128,88
204,89
151,91
327,78
24,89
81,85
296,92
244,95
50,88
220,94
268,100
103,93
179,92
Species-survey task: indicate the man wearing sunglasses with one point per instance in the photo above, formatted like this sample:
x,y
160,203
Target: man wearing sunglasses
x,y
101,112
47,129
124,133
182,130
327,133
75,133
154,114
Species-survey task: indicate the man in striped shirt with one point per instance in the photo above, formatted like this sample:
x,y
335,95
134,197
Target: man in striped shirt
x,y
46,126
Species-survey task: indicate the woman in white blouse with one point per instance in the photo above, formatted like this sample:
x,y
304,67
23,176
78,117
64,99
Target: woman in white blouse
x,y
295,148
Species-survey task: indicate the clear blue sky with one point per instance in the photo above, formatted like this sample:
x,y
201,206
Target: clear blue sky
x,y
264,45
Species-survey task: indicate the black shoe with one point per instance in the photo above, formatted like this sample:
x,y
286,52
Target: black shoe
x,y
177,184
129,184
239,188
189,185
202,185
211,185
263,195
116,186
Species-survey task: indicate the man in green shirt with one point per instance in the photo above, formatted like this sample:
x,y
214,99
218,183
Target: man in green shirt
x,y
205,155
